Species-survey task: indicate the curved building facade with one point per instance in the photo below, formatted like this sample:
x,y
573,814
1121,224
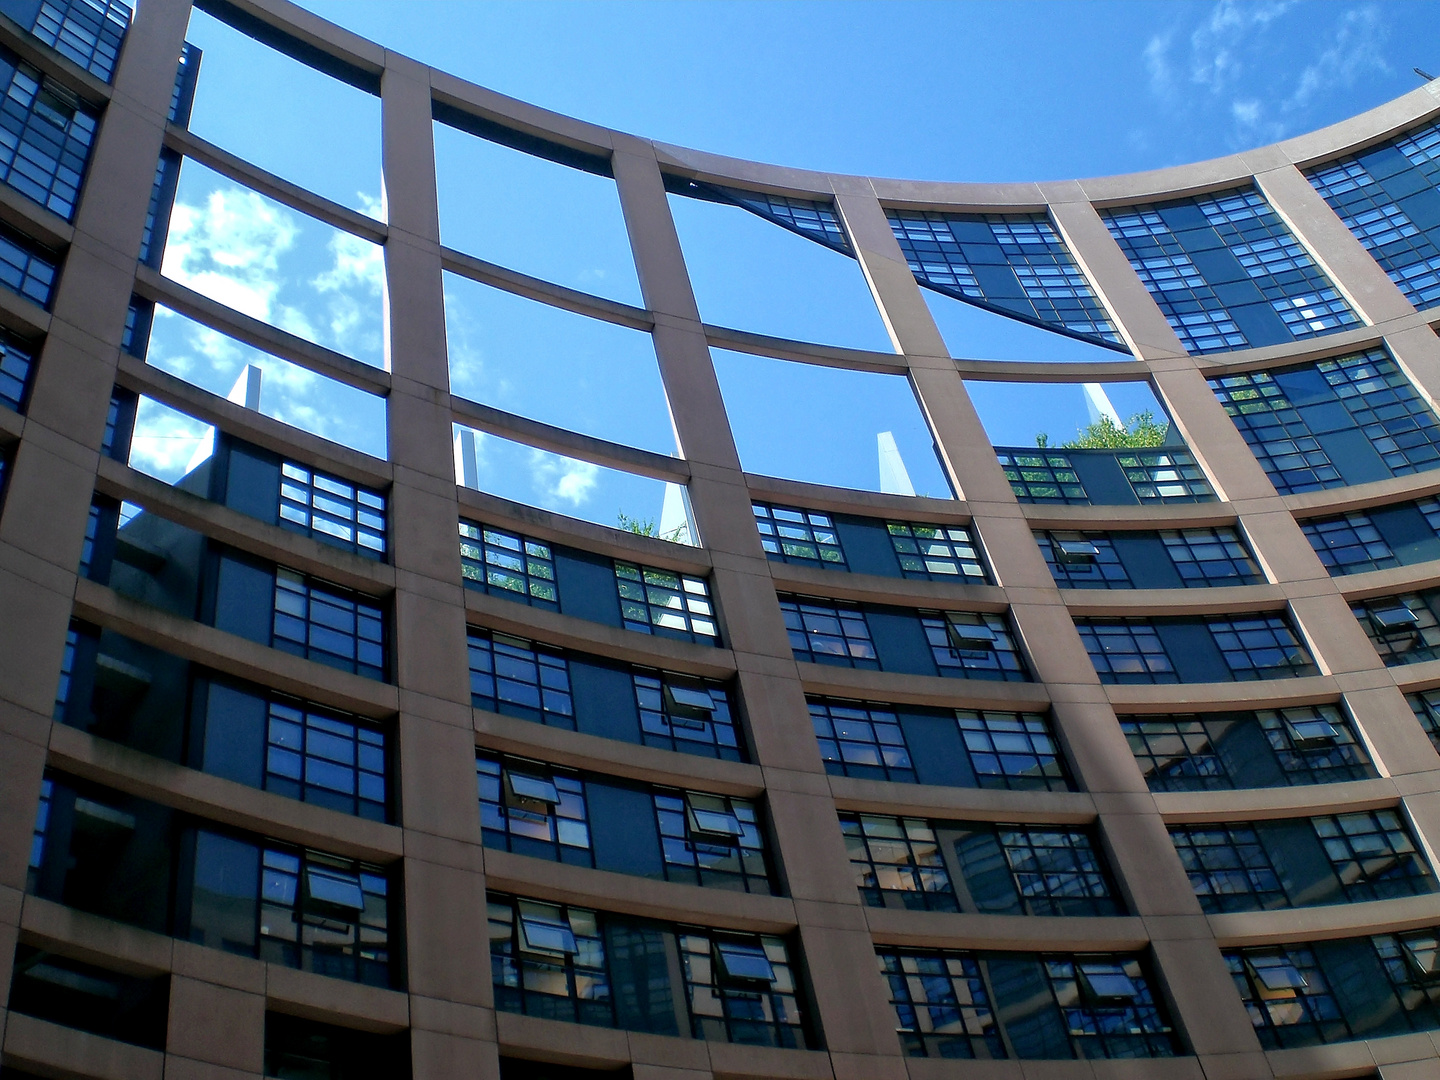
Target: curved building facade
x,y
1119,764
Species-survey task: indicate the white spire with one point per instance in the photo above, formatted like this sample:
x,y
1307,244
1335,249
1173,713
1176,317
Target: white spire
x,y
894,480
676,523
1098,405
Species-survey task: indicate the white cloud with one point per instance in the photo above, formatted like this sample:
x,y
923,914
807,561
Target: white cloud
x,y
1157,62
229,249
165,440
1354,49
563,477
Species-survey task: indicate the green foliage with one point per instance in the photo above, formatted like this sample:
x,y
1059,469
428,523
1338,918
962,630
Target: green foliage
x,y
647,527
1141,430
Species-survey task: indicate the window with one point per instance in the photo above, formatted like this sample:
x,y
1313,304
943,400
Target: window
x,y
320,756
1261,647
799,536
1426,706
87,32
1349,544
520,678
1369,203
1314,744
899,860
974,645
938,552
533,809
828,632
333,626
691,715
324,914
1042,476
332,510
1108,1006
1373,855
297,1048
1403,629
712,841
1057,871
1012,263
659,601
548,960
815,220
182,96
1229,868
37,838
1082,560
74,994
15,365
1287,996
46,137
1206,557
1126,651
508,565
24,270
858,740
1377,401
1165,476
740,988
1268,291
1174,753
157,215
1012,750
941,1004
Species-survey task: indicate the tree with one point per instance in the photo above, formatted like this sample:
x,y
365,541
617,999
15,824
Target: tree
x,y
647,527
1142,429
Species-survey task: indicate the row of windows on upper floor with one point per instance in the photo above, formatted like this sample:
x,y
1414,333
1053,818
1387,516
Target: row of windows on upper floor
x,y
1224,268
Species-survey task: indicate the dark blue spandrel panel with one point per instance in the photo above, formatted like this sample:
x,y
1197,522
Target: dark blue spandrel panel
x,y
1389,197
1014,264
1227,273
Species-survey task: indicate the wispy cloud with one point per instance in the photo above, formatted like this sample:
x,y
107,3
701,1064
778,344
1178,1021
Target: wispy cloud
x,y
562,477
165,440
1237,61
229,249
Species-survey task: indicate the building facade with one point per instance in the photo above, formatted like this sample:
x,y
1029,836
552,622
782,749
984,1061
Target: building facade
x,y
1119,764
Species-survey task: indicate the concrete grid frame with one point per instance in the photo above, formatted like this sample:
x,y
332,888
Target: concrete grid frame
x,y
218,1002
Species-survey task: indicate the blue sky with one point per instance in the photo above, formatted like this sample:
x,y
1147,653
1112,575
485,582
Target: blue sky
x,y
981,91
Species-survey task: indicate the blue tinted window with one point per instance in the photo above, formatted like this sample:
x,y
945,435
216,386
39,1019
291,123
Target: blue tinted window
x,y
1290,438
1211,557
663,601
1227,273
942,1006
332,510
320,756
548,960
509,565
1012,750
1404,629
1373,205
45,137
87,32
711,840
740,988
324,914
1349,544
1228,868
533,809
15,366
1126,651
1083,560
328,624
684,713
1426,706
815,220
25,270
520,678
899,860
801,536
974,645
828,632
1012,263
938,552
861,740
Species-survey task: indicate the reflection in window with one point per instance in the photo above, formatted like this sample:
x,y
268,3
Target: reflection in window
x,y
661,601
533,809
332,510
898,858
1404,629
828,633
506,564
15,365
1082,560
1126,651
711,840
520,678
942,1008
741,988
1228,868
938,552
548,960
319,756
333,626
48,133
974,645
324,914
799,536
691,715
860,740
86,32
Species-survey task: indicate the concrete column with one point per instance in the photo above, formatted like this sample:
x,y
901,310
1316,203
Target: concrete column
x,y
447,947
53,466
1191,969
836,944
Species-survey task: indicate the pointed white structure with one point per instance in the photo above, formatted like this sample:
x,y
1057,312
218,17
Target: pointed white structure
x,y
1097,403
894,479
677,523
467,458
246,394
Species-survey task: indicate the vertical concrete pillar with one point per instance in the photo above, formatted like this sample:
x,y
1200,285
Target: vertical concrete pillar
x,y
837,947
447,949
53,466
1190,966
